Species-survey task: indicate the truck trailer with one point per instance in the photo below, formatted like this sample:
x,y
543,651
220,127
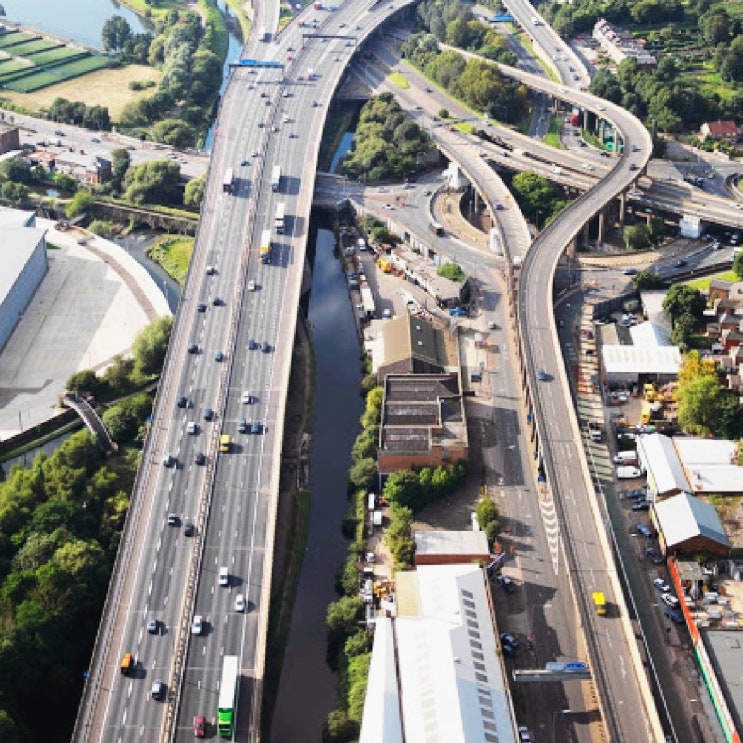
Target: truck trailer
x,y
265,250
278,221
276,178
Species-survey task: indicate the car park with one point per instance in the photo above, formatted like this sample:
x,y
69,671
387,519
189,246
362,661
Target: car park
x,y
188,529
669,600
644,530
240,602
172,519
199,458
197,625
661,585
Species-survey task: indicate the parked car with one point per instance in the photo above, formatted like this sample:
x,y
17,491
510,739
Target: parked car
x,y
507,639
641,505
661,585
669,600
507,584
627,472
674,615
635,494
644,530
654,556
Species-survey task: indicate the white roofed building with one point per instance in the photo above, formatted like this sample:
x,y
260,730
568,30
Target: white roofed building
x,y
451,680
689,525
625,364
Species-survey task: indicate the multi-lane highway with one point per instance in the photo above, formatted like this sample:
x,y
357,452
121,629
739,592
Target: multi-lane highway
x,y
230,344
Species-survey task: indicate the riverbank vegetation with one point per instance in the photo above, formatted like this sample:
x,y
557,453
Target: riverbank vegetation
x,y
404,493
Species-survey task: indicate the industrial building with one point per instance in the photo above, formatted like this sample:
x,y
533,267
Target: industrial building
x,y
25,264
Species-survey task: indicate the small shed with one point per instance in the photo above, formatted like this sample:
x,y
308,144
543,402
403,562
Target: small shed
x,y
688,525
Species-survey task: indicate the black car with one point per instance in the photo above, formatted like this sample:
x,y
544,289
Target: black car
x,y
208,414
188,529
216,301
199,457
193,348
265,347
508,584
674,615
680,263
636,494
153,626
654,556
242,426
644,530
506,639
201,307
252,345
641,505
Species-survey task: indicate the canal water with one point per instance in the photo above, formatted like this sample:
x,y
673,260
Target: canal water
x,y
307,690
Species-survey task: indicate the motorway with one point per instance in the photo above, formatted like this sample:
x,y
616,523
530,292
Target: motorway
x,y
161,573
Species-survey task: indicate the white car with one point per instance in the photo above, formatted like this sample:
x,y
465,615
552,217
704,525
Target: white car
x,y
246,398
240,602
600,107
661,585
251,285
197,626
192,428
524,734
224,577
669,600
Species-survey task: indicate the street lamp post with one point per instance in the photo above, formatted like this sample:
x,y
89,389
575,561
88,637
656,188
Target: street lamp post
x,y
554,720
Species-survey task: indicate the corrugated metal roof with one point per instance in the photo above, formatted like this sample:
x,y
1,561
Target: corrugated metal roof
x,y
683,517
658,455
437,542
641,359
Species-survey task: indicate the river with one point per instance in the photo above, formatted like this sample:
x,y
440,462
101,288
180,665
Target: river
x,y
307,690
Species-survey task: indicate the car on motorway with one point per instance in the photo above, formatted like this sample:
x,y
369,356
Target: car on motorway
x,y
192,428
240,602
201,307
669,600
199,726
541,375
632,166
315,104
265,347
193,348
208,414
252,345
644,530
680,263
219,356
172,519
224,578
188,529
182,401
211,270
600,107
654,556
641,505
285,119
217,301
255,427
631,271
244,162
199,458
153,626
157,690
661,585
286,93
242,426
274,128
247,398
197,625
168,460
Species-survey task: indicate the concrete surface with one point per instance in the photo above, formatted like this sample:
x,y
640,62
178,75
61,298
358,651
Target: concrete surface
x,y
93,301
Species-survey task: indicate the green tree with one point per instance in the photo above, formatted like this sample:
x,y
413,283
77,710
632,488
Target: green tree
x,y
403,489
399,535
363,474
358,643
738,265
115,32
16,169
153,182
646,279
150,345
80,203
683,330
123,419
342,621
365,446
486,512
85,382
636,236
194,192
173,132
704,409
339,729
684,300
120,162
451,271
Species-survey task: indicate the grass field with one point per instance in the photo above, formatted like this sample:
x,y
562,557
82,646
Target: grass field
x,y
7,40
32,47
56,55
703,284
53,75
173,253
103,88
399,81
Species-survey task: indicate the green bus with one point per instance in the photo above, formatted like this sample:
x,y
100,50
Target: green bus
x,y
227,696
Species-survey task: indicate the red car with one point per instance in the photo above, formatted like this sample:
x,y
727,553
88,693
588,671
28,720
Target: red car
x,y
199,726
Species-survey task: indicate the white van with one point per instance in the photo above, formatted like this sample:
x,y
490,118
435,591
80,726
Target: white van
x,y
628,472
626,457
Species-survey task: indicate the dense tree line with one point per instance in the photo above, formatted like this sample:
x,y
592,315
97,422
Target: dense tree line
x,y
474,81
79,114
387,142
